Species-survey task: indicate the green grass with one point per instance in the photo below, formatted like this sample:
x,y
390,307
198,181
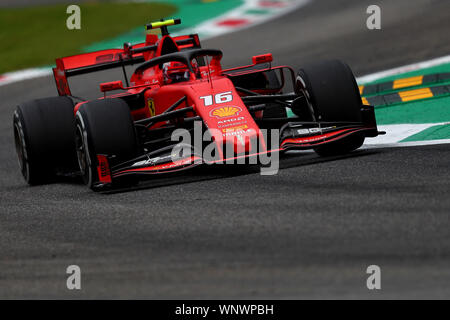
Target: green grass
x,y
35,36
430,110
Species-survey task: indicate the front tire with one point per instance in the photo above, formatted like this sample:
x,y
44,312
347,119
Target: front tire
x,y
103,127
333,96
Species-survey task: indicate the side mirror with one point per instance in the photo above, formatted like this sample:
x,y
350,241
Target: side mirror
x,y
110,86
262,58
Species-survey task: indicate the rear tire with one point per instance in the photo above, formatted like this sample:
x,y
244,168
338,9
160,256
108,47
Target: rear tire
x,y
333,96
44,132
103,127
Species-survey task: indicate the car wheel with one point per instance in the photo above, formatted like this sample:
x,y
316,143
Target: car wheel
x,y
44,131
103,127
333,96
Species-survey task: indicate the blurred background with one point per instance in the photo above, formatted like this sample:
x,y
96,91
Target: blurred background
x,y
34,32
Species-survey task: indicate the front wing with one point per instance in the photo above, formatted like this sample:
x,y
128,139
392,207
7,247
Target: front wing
x,y
293,135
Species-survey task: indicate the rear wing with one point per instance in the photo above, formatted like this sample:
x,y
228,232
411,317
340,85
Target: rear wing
x,y
110,58
87,63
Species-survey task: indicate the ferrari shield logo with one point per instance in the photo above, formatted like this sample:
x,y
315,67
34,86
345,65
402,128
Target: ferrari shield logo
x,y
151,107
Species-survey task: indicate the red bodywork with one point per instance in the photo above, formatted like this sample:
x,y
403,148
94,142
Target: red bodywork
x,y
210,92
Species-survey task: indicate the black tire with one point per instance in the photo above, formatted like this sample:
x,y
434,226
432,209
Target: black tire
x,y
333,96
44,132
103,127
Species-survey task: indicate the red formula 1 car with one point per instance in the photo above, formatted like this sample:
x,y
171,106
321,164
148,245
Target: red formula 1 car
x,y
178,88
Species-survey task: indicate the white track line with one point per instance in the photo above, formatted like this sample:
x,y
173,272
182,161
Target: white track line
x,y
398,132
406,144
403,69
25,74
389,145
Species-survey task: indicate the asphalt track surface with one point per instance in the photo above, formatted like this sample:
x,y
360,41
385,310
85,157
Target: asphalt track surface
x,y
308,232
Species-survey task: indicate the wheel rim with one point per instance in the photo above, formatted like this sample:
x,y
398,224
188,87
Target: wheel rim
x,y
301,85
19,140
81,151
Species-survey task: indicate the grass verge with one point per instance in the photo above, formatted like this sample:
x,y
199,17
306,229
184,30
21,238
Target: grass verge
x,y
35,36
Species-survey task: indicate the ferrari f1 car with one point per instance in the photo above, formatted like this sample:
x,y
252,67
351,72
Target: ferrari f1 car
x,y
176,84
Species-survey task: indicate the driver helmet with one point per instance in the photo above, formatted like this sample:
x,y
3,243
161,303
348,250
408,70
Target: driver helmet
x,y
175,72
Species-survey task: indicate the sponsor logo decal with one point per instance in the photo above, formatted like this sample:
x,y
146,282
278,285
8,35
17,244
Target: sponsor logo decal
x,y
234,133
152,161
163,166
237,128
224,112
313,130
231,122
151,107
